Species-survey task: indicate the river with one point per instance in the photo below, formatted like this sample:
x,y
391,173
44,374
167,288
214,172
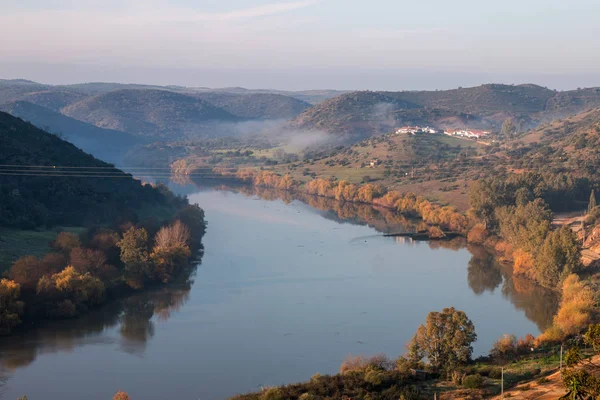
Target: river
x,y
283,291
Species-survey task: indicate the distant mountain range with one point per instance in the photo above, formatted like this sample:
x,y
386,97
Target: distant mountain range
x,y
106,119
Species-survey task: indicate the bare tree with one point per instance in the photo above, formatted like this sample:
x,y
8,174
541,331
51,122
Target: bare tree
x,y
174,235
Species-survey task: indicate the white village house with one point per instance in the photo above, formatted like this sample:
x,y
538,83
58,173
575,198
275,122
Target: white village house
x,y
467,133
414,130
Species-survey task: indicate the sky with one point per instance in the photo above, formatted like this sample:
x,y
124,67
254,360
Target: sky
x,y
303,44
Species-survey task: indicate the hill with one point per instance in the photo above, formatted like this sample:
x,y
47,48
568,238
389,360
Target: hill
x,y
52,99
105,144
31,196
572,143
11,90
354,114
261,106
149,113
363,114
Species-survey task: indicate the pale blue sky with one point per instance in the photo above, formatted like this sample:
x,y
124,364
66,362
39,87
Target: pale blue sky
x,y
298,44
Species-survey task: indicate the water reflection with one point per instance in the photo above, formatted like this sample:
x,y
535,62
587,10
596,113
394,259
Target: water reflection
x,y
484,274
134,316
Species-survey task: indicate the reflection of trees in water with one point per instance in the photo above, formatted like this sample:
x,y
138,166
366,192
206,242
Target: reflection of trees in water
x,y
483,273
379,218
133,315
539,304
486,273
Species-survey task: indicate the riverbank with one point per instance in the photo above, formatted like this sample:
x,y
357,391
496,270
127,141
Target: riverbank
x,y
83,271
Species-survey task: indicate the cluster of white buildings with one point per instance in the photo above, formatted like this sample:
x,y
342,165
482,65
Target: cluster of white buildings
x,y
467,133
413,130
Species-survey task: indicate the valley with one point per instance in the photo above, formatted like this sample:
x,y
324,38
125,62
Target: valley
x,y
323,175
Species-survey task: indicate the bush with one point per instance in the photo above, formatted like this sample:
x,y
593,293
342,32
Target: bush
x,y
495,373
477,235
272,393
506,346
473,381
458,377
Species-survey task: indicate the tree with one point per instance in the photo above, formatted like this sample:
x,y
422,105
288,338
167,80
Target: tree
x,y
445,339
69,290
121,396
134,255
174,235
559,256
582,383
28,270
592,204
66,241
11,307
508,128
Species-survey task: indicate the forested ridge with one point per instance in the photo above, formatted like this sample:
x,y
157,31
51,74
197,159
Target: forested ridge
x,y
30,199
131,234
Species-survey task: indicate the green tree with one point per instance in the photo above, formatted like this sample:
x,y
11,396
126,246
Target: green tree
x,y
582,383
135,256
559,256
484,197
525,226
446,339
508,128
592,204
11,307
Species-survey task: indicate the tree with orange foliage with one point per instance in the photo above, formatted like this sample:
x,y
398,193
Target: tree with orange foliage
x,y
121,396
477,234
11,307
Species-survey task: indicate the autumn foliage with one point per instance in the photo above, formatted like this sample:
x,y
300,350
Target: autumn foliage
x,y
575,312
86,269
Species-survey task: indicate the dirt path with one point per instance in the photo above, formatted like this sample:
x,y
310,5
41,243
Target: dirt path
x,y
550,390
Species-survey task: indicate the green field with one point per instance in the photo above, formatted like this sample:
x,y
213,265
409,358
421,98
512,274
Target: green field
x,y
15,243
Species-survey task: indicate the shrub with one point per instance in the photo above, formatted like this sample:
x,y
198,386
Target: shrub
x,y
495,373
272,393
506,346
473,381
121,396
458,377
66,241
361,363
11,307
477,234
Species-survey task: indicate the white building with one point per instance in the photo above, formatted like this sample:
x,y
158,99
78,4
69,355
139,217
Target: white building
x,y
413,130
467,133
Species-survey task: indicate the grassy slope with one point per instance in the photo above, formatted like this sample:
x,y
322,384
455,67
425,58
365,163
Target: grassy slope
x,y
15,243
400,153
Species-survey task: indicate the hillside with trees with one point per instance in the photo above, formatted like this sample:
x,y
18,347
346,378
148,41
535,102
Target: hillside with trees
x,y
149,113
256,106
123,235
486,106
35,194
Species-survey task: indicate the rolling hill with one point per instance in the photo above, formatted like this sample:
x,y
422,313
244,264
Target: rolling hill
x,y
256,106
32,197
150,113
105,144
363,114
572,143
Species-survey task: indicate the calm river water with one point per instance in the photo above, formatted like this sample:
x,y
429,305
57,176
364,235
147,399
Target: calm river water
x,y
283,291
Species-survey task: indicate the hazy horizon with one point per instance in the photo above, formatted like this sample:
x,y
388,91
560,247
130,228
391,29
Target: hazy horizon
x,y
302,44
286,81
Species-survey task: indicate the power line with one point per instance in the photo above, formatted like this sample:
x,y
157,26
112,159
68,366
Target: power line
x,y
208,176
112,168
